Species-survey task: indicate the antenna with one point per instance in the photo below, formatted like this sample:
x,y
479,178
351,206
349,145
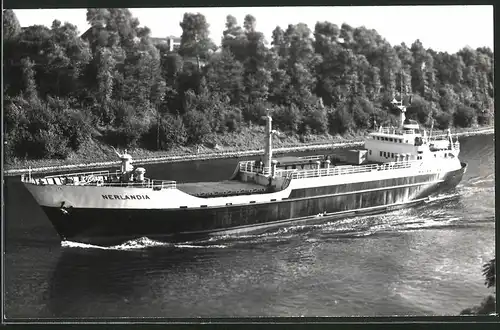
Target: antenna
x,y
401,85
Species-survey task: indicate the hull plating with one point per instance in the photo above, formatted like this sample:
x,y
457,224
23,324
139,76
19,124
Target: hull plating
x,y
98,225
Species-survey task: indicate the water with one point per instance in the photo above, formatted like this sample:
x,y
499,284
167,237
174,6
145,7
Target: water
x,y
420,261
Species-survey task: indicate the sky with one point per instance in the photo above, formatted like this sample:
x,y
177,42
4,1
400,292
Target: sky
x,y
442,28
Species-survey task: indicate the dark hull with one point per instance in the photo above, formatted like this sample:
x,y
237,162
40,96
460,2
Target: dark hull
x,y
102,226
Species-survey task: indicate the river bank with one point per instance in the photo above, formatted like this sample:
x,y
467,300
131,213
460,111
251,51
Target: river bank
x,y
142,157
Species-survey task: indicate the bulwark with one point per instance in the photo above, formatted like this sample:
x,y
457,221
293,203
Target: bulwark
x,y
125,197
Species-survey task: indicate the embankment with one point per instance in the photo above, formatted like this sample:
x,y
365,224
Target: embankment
x,y
211,155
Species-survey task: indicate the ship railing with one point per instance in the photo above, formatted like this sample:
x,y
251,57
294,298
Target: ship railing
x,y
394,130
81,174
331,171
99,178
247,166
147,183
251,167
345,170
61,179
315,157
387,130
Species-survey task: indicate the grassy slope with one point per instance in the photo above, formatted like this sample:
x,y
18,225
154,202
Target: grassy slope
x,y
250,138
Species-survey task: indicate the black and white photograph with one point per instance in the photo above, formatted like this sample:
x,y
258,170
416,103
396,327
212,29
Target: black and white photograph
x,y
248,162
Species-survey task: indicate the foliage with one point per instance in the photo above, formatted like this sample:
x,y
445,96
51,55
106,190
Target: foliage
x,y
113,78
488,305
464,117
286,118
128,134
167,131
197,126
11,26
489,273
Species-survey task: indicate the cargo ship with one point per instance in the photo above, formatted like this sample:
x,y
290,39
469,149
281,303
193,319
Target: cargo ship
x,y
397,167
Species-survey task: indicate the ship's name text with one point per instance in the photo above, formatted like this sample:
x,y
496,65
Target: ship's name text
x,y
125,197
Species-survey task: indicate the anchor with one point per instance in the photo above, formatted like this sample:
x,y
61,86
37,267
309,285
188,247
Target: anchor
x,y
65,209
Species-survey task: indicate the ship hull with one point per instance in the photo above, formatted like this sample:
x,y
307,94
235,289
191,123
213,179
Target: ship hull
x,y
106,226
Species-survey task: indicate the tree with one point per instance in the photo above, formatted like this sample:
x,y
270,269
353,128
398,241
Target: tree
x,y
11,26
30,89
489,273
105,84
301,62
68,57
170,130
419,110
464,117
234,39
225,75
194,40
488,305
130,88
197,125
257,77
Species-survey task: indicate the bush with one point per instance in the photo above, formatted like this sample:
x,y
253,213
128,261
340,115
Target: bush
x,y
120,113
443,120
254,112
170,131
361,110
197,126
317,121
484,118
341,121
75,127
464,117
419,110
232,119
34,129
50,144
127,135
286,118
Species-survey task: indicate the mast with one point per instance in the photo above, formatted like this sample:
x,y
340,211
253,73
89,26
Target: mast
x,y
268,149
402,110
268,152
399,104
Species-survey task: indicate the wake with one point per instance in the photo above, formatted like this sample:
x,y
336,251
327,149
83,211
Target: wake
x,y
139,244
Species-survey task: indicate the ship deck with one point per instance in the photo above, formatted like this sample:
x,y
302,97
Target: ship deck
x,y
221,188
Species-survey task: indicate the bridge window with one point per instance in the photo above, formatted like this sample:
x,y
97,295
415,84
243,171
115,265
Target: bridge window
x,y
370,152
392,155
381,154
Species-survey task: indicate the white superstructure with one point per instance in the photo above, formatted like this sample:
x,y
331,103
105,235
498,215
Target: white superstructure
x,y
408,142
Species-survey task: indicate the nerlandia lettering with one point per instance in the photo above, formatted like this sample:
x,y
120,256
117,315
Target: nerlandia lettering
x,y
122,197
